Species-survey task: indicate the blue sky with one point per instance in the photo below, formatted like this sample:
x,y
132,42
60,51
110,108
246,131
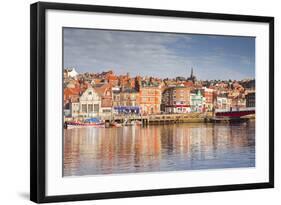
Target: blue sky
x,y
160,54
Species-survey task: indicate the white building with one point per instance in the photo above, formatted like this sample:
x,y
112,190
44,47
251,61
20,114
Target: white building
x,y
89,104
71,72
223,102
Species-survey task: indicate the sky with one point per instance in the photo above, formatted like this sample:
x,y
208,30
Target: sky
x,y
163,55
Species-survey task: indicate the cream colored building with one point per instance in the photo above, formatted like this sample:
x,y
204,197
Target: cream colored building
x,y
89,104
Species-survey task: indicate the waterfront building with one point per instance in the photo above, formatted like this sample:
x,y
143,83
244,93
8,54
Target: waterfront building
x,y
129,97
150,97
88,104
70,95
126,101
236,97
237,102
196,101
116,96
176,100
251,99
222,101
104,91
208,95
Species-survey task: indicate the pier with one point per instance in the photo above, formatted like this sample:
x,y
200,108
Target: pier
x,y
161,118
227,115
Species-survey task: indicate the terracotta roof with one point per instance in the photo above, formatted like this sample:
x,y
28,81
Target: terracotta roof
x,y
102,89
188,84
71,91
112,77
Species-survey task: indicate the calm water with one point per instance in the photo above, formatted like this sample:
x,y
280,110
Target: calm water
x,y
91,151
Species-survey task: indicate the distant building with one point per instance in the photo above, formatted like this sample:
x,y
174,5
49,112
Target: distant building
x,y
191,78
251,99
176,100
180,78
249,84
71,72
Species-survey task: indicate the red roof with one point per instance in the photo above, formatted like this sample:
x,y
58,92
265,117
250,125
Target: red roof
x,y
188,84
71,91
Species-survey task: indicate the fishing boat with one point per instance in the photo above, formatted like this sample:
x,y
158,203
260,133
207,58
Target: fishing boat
x,y
91,122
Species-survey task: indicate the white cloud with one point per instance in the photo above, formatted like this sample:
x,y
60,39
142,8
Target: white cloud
x,y
150,54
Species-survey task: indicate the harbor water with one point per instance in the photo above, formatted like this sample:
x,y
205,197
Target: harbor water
x,y
170,147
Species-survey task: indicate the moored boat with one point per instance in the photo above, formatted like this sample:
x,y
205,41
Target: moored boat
x,y
92,122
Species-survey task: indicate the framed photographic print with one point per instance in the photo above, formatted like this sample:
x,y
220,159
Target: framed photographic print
x,y
129,102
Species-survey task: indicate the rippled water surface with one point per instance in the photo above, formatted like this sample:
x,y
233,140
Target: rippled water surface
x,y
189,146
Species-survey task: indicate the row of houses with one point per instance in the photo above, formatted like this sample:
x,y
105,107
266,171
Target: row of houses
x,y
149,98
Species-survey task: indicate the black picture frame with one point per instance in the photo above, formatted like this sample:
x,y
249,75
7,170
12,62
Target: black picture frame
x,y
38,101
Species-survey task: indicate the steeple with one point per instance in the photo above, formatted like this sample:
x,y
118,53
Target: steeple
x,y
192,77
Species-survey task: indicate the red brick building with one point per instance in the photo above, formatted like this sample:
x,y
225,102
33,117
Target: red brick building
x,y
176,100
150,99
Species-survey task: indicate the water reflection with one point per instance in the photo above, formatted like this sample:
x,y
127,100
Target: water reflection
x,y
90,151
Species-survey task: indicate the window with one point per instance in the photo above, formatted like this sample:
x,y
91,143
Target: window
x,y
84,108
90,93
90,108
106,110
133,96
116,97
96,107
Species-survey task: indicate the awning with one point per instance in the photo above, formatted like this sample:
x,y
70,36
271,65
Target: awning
x,y
127,109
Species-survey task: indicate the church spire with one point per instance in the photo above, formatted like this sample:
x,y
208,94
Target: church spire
x,y
192,77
